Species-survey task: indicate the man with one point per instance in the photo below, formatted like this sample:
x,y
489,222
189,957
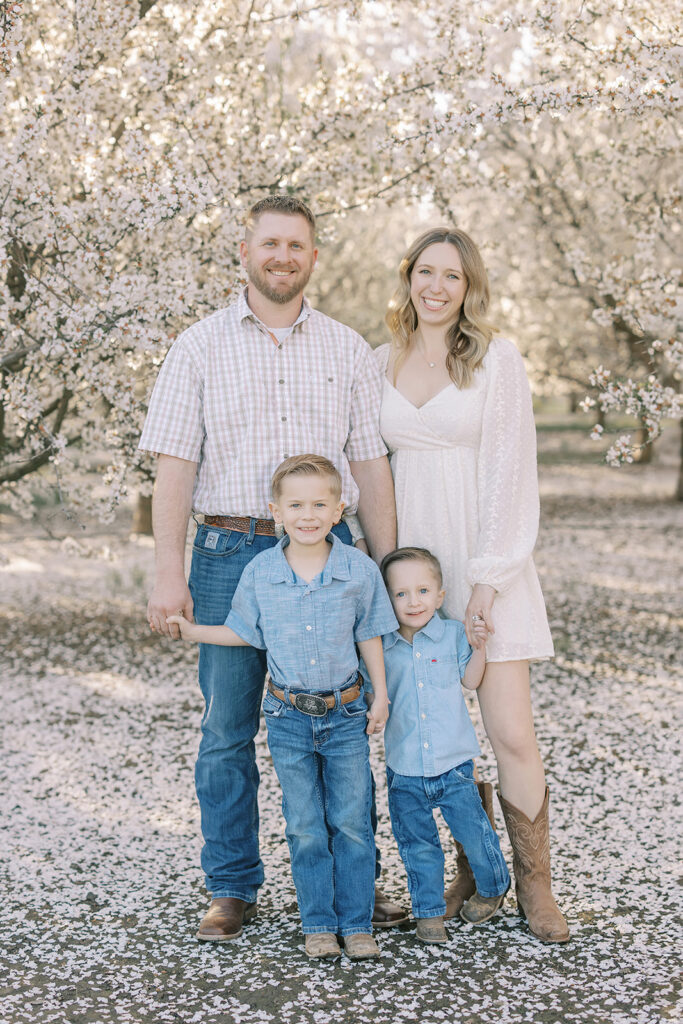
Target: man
x,y
240,391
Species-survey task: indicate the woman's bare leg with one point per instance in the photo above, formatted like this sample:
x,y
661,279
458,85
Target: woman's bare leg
x,y
505,702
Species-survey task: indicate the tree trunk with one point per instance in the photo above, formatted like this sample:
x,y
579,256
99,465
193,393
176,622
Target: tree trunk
x,y
142,516
679,485
643,456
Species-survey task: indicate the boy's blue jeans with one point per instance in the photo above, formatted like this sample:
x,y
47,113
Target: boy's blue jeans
x,y
231,681
324,769
412,799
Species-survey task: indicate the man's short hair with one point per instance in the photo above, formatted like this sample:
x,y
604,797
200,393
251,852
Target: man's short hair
x,y
411,555
279,203
306,465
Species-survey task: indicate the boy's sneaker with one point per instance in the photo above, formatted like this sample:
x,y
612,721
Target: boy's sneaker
x,y
431,929
322,946
478,908
361,946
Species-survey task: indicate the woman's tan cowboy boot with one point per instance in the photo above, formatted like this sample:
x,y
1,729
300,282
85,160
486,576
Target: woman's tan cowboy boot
x,y
531,864
463,885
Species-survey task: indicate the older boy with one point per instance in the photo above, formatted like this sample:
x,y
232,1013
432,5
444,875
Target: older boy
x,y
307,602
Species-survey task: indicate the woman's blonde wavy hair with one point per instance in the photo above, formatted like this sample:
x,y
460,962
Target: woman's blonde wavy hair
x,y
469,337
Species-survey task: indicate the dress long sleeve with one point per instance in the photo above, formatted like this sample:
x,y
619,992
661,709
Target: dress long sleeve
x,y
507,483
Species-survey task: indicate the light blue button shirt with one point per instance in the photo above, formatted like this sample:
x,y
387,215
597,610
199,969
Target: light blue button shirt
x,y
429,729
310,629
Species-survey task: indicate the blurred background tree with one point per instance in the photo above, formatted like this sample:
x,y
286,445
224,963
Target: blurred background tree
x,y
135,135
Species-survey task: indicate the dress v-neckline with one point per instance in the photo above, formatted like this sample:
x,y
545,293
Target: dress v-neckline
x,y
417,408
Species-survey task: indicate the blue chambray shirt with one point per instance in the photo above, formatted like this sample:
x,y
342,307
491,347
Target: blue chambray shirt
x,y
429,729
310,629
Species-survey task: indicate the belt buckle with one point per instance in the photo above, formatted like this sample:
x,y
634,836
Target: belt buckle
x,y
310,704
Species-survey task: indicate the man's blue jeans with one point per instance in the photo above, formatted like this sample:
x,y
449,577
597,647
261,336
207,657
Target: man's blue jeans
x,y
412,799
324,769
231,681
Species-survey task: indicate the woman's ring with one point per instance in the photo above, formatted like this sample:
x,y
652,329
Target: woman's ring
x,y
477,618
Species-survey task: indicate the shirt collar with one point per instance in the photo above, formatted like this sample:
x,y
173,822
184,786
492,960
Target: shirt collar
x,y
245,312
434,630
337,565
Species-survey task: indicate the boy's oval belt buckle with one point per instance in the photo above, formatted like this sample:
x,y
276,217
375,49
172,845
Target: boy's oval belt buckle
x,y
310,704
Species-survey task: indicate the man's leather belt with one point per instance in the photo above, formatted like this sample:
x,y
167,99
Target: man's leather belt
x,y
242,524
316,704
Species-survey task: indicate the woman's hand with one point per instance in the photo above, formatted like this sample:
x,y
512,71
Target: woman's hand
x,y
480,605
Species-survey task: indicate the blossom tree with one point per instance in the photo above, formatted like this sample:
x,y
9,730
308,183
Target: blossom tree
x,y
571,175
135,135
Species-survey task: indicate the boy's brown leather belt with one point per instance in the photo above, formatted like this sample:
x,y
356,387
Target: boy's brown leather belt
x,y
242,524
308,702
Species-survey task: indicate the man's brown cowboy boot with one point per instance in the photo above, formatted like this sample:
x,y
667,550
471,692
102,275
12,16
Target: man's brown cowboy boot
x,y
463,885
386,913
531,864
224,919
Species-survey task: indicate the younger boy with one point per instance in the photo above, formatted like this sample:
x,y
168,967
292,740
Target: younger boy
x,y
308,601
430,743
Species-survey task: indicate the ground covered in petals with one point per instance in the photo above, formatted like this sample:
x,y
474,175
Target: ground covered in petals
x,y
99,823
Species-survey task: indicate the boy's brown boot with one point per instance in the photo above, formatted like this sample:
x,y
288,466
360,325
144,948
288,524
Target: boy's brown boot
x,y
479,908
431,929
322,946
463,885
361,946
531,864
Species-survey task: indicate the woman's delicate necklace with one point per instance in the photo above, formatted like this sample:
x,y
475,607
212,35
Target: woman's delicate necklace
x,y
418,345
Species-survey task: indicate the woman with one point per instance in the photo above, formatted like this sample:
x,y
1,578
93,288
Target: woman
x,y
457,417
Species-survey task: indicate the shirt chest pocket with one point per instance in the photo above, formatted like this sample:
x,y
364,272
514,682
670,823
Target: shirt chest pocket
x,y
321,401
443,672
336,612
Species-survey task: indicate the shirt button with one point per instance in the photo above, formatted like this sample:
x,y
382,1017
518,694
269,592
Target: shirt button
x,y
423,715
285,455
417,654
309,627
281,380
426,746
312,661
283,418
420,685
280,345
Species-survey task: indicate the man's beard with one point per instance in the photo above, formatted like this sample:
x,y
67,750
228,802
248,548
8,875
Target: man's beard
x,y
260,281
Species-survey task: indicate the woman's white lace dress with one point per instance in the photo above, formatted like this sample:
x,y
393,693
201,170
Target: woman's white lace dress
x,y
464,468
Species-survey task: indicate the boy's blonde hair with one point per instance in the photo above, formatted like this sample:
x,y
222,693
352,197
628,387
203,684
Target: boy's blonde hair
x,y
411,555
306,465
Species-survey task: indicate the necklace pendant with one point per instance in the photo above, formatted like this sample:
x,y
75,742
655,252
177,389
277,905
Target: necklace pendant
x,y
432,364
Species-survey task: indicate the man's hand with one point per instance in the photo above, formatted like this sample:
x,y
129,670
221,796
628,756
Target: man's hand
x,y
171,507
169,597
